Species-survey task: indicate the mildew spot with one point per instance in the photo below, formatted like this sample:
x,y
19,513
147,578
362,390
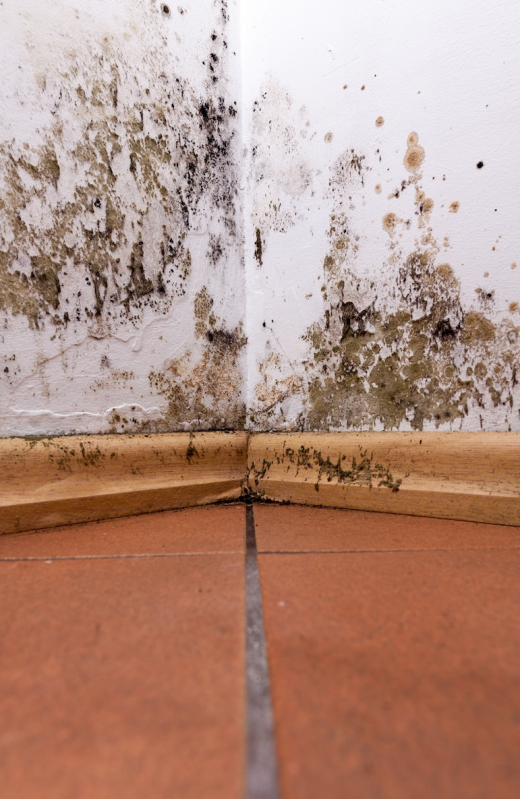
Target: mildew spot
x,y
424,207
390,221
328,137
380,122
414,155
454,207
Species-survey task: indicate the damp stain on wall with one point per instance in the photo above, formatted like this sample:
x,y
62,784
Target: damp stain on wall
x,y
203,388
401,350
116,203
280,173
95,217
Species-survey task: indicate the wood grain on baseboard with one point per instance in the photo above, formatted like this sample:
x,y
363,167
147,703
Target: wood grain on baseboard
x,y
55,481
52,481
467,476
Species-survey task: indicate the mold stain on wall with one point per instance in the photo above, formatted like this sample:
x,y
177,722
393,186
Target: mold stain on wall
x,y
98,205
398,351
280,174
203,388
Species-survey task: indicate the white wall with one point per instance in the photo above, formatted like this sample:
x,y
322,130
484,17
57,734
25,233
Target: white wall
x,y
381,288
371,310
121,283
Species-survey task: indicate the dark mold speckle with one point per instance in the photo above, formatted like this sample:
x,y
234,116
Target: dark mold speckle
x,y
258,246
174,150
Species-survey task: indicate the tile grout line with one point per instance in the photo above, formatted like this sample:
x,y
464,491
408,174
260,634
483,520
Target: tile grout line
x,y
382,551
51,558
261,762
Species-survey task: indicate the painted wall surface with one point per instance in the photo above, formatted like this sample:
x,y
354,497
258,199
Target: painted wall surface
x,y
300,216
121,277
382,219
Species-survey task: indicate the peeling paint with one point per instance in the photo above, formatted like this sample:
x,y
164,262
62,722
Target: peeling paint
x,y
114,218
105,200
401,351
141,185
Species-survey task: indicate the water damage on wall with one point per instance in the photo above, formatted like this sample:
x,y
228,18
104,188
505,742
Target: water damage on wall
x,y
99,205
398,350
207,388
280,174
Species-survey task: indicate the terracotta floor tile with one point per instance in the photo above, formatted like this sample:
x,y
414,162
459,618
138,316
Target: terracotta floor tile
x,y
301,529
123,678
209,529
395,675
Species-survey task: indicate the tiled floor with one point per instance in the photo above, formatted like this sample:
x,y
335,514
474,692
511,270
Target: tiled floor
x,y
393,645
123,677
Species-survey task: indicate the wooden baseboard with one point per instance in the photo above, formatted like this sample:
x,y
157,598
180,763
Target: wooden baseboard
x,y
49,482
467,476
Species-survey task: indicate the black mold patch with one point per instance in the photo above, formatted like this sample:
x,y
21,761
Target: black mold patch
x,y
123,150
358,471
258,246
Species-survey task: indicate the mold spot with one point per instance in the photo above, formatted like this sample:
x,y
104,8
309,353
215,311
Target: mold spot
x,y
513,307
414,155
359,470
328,137
390,221
258,247
480,164
477,328
380,122
165,9
377,188
454,207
